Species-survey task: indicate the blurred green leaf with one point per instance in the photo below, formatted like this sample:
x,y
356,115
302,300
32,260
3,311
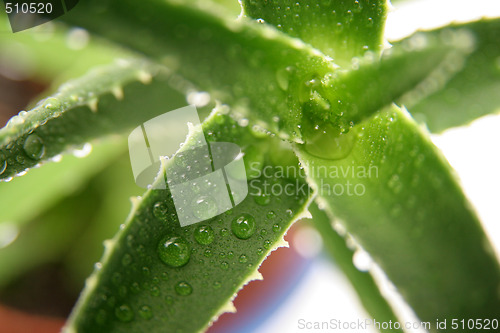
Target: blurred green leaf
x,y
473,90
52,50
48,236
369,294
43,187
116,185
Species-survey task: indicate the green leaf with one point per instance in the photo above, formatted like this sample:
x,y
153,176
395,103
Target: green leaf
x,y
254,68
52,50
251,67
48,237
371,84
397,196
103,102
141,286
340,29
116,185
369,294
473,91
232,6
44,187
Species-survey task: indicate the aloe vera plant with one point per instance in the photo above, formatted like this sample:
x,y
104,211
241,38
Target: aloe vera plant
x,y
308,86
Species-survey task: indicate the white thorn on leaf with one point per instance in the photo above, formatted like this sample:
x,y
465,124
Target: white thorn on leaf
x,y
145,77
92,104
118,93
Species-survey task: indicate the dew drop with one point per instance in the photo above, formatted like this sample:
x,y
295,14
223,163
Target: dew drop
x,y
160,211
52,104
243,259
124,313
3,165
145,312
204,235
283,77
155,291
329,142
350,16
263,199
395,184
204,207
174,251
224,232
183,288
276,228
34,147
243,226
224,265
20,159
357,7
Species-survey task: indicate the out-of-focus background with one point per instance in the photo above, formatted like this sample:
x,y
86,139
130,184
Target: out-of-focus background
x,y
46,254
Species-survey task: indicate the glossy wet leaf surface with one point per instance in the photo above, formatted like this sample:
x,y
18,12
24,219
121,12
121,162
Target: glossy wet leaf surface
x,y
154,272
398,198
340,29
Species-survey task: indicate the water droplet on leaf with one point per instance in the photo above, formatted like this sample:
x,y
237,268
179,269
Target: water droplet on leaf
x,y
243,226
124,313
183,288
3,165
204,235
145,312
174,251
204,207
329,142
263,199
160,211
52,104
34,147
